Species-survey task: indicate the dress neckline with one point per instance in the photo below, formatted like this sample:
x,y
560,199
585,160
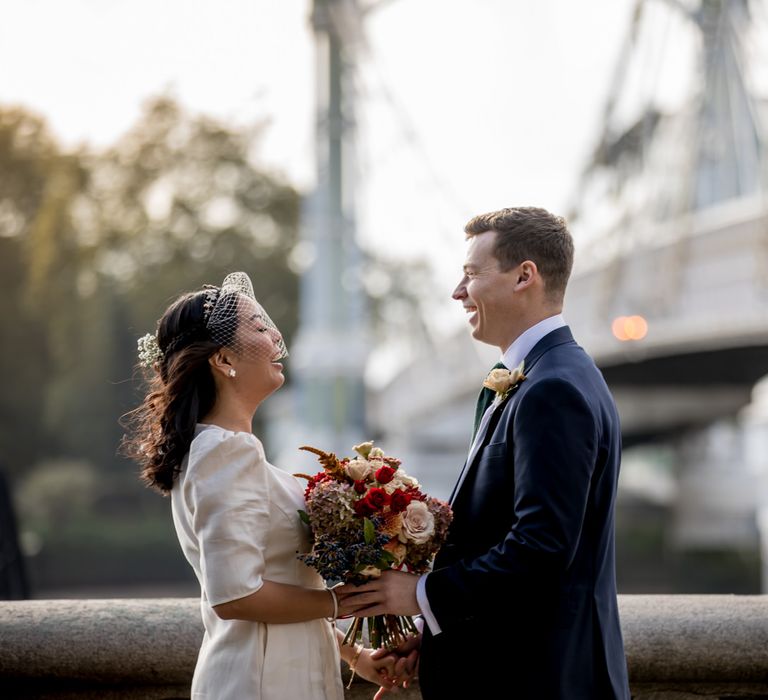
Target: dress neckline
x,y
200,427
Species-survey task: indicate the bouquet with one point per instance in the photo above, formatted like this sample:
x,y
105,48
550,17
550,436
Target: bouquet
x,y
367,515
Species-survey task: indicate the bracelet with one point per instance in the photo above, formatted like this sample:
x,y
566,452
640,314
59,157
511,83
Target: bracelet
x,y
355,658
335,605
353,663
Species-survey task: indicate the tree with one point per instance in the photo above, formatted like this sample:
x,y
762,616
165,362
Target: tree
x,y
93,245
30,211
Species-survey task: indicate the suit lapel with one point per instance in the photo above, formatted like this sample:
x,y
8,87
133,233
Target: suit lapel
x,y
559,336
478,444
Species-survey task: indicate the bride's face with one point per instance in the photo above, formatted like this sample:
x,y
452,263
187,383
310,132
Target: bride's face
x,y
258,347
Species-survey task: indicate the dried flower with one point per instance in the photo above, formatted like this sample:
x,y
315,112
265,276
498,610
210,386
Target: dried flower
x,y
367,515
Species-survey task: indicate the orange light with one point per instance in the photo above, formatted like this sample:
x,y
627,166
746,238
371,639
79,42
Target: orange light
x,y
629,328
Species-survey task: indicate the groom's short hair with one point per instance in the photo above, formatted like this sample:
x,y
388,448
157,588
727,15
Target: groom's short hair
x,y
530,233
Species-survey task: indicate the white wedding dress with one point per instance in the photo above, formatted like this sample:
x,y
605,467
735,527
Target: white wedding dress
x,y
237,522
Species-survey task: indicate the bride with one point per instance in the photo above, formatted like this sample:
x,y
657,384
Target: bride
x,y
269,620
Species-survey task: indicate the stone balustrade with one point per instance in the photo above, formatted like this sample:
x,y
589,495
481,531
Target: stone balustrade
x,y
678,647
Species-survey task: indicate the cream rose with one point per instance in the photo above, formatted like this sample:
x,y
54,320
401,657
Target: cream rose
x,y
502,380
418,523
359,469
370,572
363,449
401,480
498,380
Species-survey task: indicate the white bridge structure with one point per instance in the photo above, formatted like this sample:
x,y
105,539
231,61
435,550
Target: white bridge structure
x,y
671,225
704,296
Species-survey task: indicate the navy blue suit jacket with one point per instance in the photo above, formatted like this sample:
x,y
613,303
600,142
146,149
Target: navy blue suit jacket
x,y
524,589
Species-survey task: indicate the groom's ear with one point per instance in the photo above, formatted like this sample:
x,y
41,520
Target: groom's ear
x,y
526,274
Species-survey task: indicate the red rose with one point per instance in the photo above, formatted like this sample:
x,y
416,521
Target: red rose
x,y
377,498
360,486
363,508
399,501
384,474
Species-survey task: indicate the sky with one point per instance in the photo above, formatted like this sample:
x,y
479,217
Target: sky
x,y
463,105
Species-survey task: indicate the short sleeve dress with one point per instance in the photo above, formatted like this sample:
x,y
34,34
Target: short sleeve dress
x,y
237,522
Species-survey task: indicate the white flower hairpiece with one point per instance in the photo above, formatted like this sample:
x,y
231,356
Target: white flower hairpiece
x,y
149,350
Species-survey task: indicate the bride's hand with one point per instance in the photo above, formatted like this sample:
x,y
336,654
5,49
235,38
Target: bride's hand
x,y
406,665
378,669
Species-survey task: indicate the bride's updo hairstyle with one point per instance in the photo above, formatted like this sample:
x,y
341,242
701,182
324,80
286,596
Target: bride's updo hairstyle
x,y
181,390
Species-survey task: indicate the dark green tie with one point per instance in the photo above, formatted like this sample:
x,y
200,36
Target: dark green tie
x,y
484,400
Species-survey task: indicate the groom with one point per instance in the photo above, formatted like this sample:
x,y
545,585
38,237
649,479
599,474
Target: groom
x,y
523,593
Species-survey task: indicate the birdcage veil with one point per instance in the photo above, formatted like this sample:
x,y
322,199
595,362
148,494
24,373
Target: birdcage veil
x,y
235,319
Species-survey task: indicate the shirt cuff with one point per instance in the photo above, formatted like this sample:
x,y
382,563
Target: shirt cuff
x,y
426,611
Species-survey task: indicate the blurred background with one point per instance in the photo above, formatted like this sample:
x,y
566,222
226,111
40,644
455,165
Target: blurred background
x,y
334,150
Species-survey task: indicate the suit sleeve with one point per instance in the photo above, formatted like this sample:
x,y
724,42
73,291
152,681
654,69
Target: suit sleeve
x,y
555,444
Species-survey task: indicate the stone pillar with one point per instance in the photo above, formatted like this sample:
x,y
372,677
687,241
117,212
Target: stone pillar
x,y
755,420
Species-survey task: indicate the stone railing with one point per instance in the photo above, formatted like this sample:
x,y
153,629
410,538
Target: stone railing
x,y
678,647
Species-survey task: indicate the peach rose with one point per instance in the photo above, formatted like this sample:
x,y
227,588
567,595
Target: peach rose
x,y
397,550
502,380
418,523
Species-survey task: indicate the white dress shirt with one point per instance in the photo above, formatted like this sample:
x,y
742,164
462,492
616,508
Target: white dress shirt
x,y
511,358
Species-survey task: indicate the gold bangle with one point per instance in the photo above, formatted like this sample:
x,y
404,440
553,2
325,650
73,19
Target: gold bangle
x,y
353,663
356,656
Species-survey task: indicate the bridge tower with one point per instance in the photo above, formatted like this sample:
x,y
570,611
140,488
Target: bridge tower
x,y
329,353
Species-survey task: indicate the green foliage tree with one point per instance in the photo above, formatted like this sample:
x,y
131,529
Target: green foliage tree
x,y
31,169
93,245
178,202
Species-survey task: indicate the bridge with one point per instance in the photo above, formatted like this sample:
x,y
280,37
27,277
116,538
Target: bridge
x,y
670,219
702,289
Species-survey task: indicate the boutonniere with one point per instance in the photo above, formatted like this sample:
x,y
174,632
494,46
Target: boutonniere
x,y
502,381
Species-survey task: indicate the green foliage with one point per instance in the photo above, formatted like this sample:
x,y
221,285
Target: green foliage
x,y
56,492
110,550
94,245
27,155
369,531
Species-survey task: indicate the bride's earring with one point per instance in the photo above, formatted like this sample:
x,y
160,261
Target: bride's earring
x,y
232,373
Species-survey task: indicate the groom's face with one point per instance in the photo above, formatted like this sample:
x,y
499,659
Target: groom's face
x,y
487,294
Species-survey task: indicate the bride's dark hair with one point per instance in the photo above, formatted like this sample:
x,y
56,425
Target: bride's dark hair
x,y
181,392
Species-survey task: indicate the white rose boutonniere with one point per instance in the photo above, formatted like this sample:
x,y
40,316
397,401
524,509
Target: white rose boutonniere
x,y
502,381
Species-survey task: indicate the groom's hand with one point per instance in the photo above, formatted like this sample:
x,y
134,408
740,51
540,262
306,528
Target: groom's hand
x,y
393,593
405,668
